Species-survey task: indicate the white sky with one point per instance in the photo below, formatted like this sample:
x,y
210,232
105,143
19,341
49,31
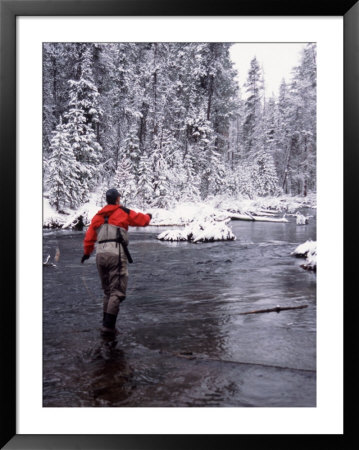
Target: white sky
x,y
276,59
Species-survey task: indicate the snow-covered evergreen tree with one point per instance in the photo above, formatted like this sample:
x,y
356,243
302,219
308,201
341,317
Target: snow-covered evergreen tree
x,y
302,165
83,92
86,149
125,181
63,182
283,136
144,182
264,176
253,108
132,146
245,180
160,181
60,63
173,113
83,141
189,181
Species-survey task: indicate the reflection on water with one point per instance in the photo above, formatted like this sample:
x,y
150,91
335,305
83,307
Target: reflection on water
x,y
184,299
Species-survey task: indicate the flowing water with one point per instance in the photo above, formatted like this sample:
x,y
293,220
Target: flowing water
x,y
182,341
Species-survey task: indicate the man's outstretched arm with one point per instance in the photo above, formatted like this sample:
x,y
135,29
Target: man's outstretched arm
x,y
137,219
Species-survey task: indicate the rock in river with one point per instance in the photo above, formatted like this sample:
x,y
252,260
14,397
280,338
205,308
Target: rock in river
x,y
200,231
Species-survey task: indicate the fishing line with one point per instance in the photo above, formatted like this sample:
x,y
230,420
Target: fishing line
x,y
192,357
96,300
57,254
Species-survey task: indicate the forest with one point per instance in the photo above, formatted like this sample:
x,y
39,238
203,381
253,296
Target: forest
x,y
168,122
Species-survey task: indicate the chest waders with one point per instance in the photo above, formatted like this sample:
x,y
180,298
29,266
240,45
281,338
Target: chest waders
x,y
119,240
110,240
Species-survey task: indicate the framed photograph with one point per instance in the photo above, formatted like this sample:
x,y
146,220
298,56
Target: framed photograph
x,y
203,143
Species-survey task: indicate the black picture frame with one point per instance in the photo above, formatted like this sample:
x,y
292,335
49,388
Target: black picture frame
x,y
9,10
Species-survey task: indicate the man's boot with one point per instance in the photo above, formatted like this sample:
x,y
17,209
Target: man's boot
x,y
109,322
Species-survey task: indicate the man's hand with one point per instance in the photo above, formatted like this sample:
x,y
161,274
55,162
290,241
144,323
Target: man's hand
x,y
149,214
84,258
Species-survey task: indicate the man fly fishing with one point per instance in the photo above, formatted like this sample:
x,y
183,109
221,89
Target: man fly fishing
x,y
109,228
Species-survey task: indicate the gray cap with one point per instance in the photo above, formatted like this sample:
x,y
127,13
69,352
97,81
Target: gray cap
x,y
111,196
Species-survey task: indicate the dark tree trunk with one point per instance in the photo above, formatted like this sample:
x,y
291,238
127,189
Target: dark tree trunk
x,y
305,187
210,95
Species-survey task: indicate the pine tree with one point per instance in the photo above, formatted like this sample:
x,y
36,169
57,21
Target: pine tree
x,y
283,136
222,92
145,189
63,183
264,176
82,119
188,180
125,181
86,149
252,125
215,171
160,181
132,146
302,170
164,155
170,115
235,149
83,92
243,179
264,159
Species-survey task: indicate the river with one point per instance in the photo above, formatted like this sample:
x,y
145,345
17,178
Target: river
x,y
182,342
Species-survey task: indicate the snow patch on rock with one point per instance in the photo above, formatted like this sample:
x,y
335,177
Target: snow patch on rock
x,y
301,219
200,231
307,250
311,261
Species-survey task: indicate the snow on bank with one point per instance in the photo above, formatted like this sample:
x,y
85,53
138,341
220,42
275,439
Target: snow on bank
x,y
185,213
307,250
85,213
74,218
264,205
216,209
52,218
219,208
69,218
200,231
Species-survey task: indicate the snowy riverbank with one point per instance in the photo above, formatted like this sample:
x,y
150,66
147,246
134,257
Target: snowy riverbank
x,y
217,208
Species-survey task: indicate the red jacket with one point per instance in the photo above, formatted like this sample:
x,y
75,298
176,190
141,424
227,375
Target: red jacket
x,y
117,217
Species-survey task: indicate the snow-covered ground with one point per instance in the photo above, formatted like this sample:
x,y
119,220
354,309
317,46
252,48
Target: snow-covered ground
x,y
282,204
70,217
185,213
219,208
307,250
52,218
216,208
